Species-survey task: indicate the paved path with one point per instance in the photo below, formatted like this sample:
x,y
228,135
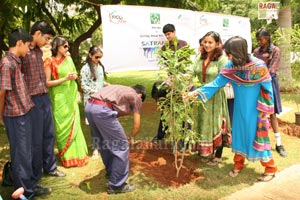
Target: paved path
x,y
285,186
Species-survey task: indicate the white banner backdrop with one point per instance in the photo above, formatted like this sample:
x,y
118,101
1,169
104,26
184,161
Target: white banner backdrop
x,y
132,34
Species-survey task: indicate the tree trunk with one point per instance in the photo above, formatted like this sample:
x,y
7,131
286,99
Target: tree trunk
x,y
285,25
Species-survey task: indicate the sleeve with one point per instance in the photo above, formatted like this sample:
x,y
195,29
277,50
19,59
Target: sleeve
x,y
5,77
85,80
209,89
274,63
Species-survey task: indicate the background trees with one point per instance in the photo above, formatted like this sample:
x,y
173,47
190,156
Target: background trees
x,y
81,20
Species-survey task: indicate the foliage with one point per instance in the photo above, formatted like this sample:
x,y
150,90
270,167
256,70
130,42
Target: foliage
x,y
294,48
176,112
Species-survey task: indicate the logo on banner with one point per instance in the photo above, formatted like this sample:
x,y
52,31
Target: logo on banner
x,y
115,18
155,18
149,47
203,20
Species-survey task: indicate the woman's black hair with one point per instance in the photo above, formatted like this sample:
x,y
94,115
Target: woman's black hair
x,y
218,51
237,47
57,42
93,50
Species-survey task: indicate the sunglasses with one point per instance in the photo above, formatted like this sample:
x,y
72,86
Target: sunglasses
x,y
97,57
66,46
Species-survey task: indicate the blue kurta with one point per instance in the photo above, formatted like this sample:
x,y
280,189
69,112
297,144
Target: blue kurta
x,y
245,114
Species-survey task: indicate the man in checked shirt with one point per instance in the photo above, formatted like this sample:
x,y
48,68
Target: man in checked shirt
x,y
102,111
35,78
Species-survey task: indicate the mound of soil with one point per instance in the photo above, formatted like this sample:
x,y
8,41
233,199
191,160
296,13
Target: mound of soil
x,y
289,128
157,161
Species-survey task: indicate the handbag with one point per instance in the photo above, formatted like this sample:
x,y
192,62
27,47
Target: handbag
x,y
228,89
7,175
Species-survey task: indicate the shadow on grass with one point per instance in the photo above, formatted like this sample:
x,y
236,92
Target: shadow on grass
x,y
96,184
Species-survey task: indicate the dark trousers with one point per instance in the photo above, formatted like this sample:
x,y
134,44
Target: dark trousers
x,y
44,136
19,132
113,143
160,132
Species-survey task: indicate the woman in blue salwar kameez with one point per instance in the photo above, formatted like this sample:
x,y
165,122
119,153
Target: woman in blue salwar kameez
x,y
253,102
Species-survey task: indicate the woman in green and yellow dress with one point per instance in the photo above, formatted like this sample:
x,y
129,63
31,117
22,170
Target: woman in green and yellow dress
x,y
213,117
61,78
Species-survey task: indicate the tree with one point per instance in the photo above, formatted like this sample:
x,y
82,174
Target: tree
x,y
285,26
176,113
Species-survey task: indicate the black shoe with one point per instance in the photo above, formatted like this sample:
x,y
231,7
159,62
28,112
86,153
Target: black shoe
x,y
280,149
123,189
57,173
155,140
40,190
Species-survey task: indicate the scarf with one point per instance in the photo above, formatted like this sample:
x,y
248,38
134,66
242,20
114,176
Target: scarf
x,y
251,73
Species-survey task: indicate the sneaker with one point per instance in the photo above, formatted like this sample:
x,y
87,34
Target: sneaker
x,y
280,149
123,189
57,173
40,190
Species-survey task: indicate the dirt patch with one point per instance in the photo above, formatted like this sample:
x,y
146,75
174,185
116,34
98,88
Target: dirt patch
x,y
157,161
289,128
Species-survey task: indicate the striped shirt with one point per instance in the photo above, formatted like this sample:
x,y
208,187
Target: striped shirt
x,y
124,99
271,56
33,69
17,101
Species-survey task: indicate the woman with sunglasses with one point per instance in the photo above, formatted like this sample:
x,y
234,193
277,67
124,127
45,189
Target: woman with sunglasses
x,y
92,80
213,118
61,78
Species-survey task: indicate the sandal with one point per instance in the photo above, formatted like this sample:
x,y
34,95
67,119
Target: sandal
x,y
214,161
234,173
266,177
95,154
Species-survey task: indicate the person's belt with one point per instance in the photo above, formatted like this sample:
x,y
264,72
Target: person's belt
x,y
40,94
100,102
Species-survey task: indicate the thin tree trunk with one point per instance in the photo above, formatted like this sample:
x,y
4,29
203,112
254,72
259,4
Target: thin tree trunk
x,y
285,25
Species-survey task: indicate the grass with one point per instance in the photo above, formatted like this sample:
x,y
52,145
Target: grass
x,y
89,182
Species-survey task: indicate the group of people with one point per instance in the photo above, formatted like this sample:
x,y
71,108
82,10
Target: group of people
x,y
252,80
38,102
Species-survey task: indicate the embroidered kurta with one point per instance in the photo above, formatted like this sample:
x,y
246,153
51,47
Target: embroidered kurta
x,y
209,117
88,85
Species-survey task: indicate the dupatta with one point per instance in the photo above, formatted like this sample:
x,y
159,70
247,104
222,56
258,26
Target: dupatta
x,y
252,73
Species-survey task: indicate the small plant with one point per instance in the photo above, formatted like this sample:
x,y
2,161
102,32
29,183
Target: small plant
x,y
176,112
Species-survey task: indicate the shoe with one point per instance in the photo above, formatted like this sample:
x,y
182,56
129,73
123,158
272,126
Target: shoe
x,y
214,161
57,173
86,122
266,177
40,190
280,149
155,140
234,173
123,189
95,154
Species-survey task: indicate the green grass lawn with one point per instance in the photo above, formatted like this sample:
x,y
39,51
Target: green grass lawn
x,y
89,182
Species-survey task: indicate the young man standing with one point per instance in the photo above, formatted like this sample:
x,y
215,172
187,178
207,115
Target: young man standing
x,y
270,54
173,43
16,107
35,78
102,110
